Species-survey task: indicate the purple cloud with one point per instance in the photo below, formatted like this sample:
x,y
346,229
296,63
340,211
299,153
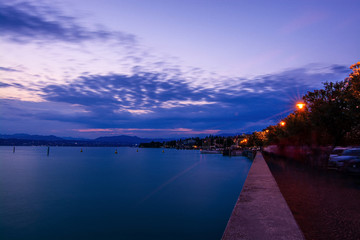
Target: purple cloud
x,y
23,22
153,101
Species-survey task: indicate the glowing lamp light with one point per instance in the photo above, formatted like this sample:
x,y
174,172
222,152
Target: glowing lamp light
x,y
282,123
300,105
243,141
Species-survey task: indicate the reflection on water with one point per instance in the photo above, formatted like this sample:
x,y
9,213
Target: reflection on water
x,y
97,194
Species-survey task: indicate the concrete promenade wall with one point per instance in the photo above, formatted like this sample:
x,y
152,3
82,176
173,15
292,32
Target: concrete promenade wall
x,y
261,212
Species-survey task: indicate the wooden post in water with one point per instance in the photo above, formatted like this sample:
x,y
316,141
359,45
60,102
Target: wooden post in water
x,y
14,149
48,151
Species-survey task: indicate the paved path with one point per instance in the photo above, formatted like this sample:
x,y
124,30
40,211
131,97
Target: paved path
x,y
261,211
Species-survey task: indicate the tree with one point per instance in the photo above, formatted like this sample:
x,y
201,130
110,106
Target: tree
x,y
353,83
329,110
331,116
334,110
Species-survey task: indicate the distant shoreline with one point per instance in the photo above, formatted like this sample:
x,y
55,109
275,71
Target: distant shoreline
x,y
64,143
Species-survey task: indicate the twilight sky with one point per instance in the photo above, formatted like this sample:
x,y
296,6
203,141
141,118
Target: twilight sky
x,y
160,68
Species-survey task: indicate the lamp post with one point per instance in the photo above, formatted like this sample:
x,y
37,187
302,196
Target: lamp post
x,y
300,105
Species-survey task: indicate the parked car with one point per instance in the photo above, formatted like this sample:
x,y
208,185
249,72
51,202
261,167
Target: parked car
x,y
352,166
345,158
337,151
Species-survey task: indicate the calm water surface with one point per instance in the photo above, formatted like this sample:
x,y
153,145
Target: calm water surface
x,y
97,194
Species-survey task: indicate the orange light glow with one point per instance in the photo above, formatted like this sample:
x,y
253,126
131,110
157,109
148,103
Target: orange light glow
x,y
243,141
282,123
300,105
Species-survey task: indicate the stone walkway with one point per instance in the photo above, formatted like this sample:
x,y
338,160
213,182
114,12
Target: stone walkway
x,y
261,212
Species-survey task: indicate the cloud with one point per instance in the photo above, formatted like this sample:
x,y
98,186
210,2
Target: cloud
x,y
94,130
4,85
139,111
98,83
181,103
142,102
141,91
299,79
23,22
6,69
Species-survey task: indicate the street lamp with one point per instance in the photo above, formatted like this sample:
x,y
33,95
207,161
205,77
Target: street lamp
x,y
300,105
282,123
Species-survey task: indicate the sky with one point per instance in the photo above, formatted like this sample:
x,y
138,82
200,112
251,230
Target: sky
x,y
160,68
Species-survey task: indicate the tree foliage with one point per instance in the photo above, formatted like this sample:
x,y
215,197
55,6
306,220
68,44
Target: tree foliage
x,y
331,115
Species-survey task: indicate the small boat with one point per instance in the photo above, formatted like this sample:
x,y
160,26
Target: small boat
x,y
204,151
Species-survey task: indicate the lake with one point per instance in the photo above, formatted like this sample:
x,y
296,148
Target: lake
x,y
97,194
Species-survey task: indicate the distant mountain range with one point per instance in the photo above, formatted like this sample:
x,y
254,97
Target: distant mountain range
x,y
51,140
26,140
30,137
